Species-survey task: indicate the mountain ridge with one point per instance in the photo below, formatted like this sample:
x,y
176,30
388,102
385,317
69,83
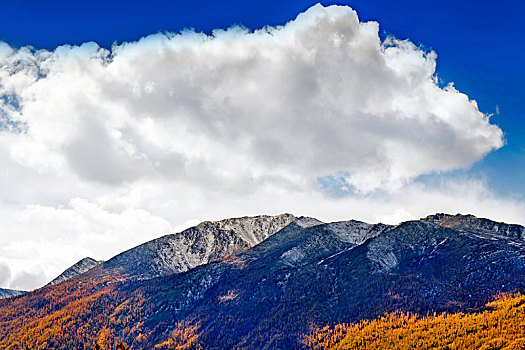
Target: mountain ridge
x,y
208,241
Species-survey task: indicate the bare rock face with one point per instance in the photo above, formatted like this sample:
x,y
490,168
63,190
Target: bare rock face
x,y
80,267
7,293
207,242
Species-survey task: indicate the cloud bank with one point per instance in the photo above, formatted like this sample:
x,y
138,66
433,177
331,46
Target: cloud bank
x,y
103,149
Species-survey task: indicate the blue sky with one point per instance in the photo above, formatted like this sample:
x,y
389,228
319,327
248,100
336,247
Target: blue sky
x,y
479,45
104,149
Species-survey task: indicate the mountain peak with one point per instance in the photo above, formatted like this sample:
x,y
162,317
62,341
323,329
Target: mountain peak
x,y
449,220
78,268
252,229
305,221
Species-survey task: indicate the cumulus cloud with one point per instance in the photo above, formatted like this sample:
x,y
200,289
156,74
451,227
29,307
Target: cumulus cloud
x,y
321,94
101,146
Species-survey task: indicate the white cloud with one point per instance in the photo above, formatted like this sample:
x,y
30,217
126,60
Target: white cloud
x,y
28,280
319,95
105,149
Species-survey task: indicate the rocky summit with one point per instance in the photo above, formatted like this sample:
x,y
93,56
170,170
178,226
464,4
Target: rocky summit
x,y
264,282
80,267
470,222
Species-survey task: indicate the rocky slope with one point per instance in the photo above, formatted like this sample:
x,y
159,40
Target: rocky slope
x,y
209,241
308,274
470,222
80,267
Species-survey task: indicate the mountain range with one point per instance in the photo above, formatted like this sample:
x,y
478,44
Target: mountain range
x,y
264,282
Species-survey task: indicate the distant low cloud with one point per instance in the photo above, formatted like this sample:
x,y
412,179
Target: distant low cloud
x,y
177,127
5,274
28,280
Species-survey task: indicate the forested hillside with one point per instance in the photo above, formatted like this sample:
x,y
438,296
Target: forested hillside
x,y
500,326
